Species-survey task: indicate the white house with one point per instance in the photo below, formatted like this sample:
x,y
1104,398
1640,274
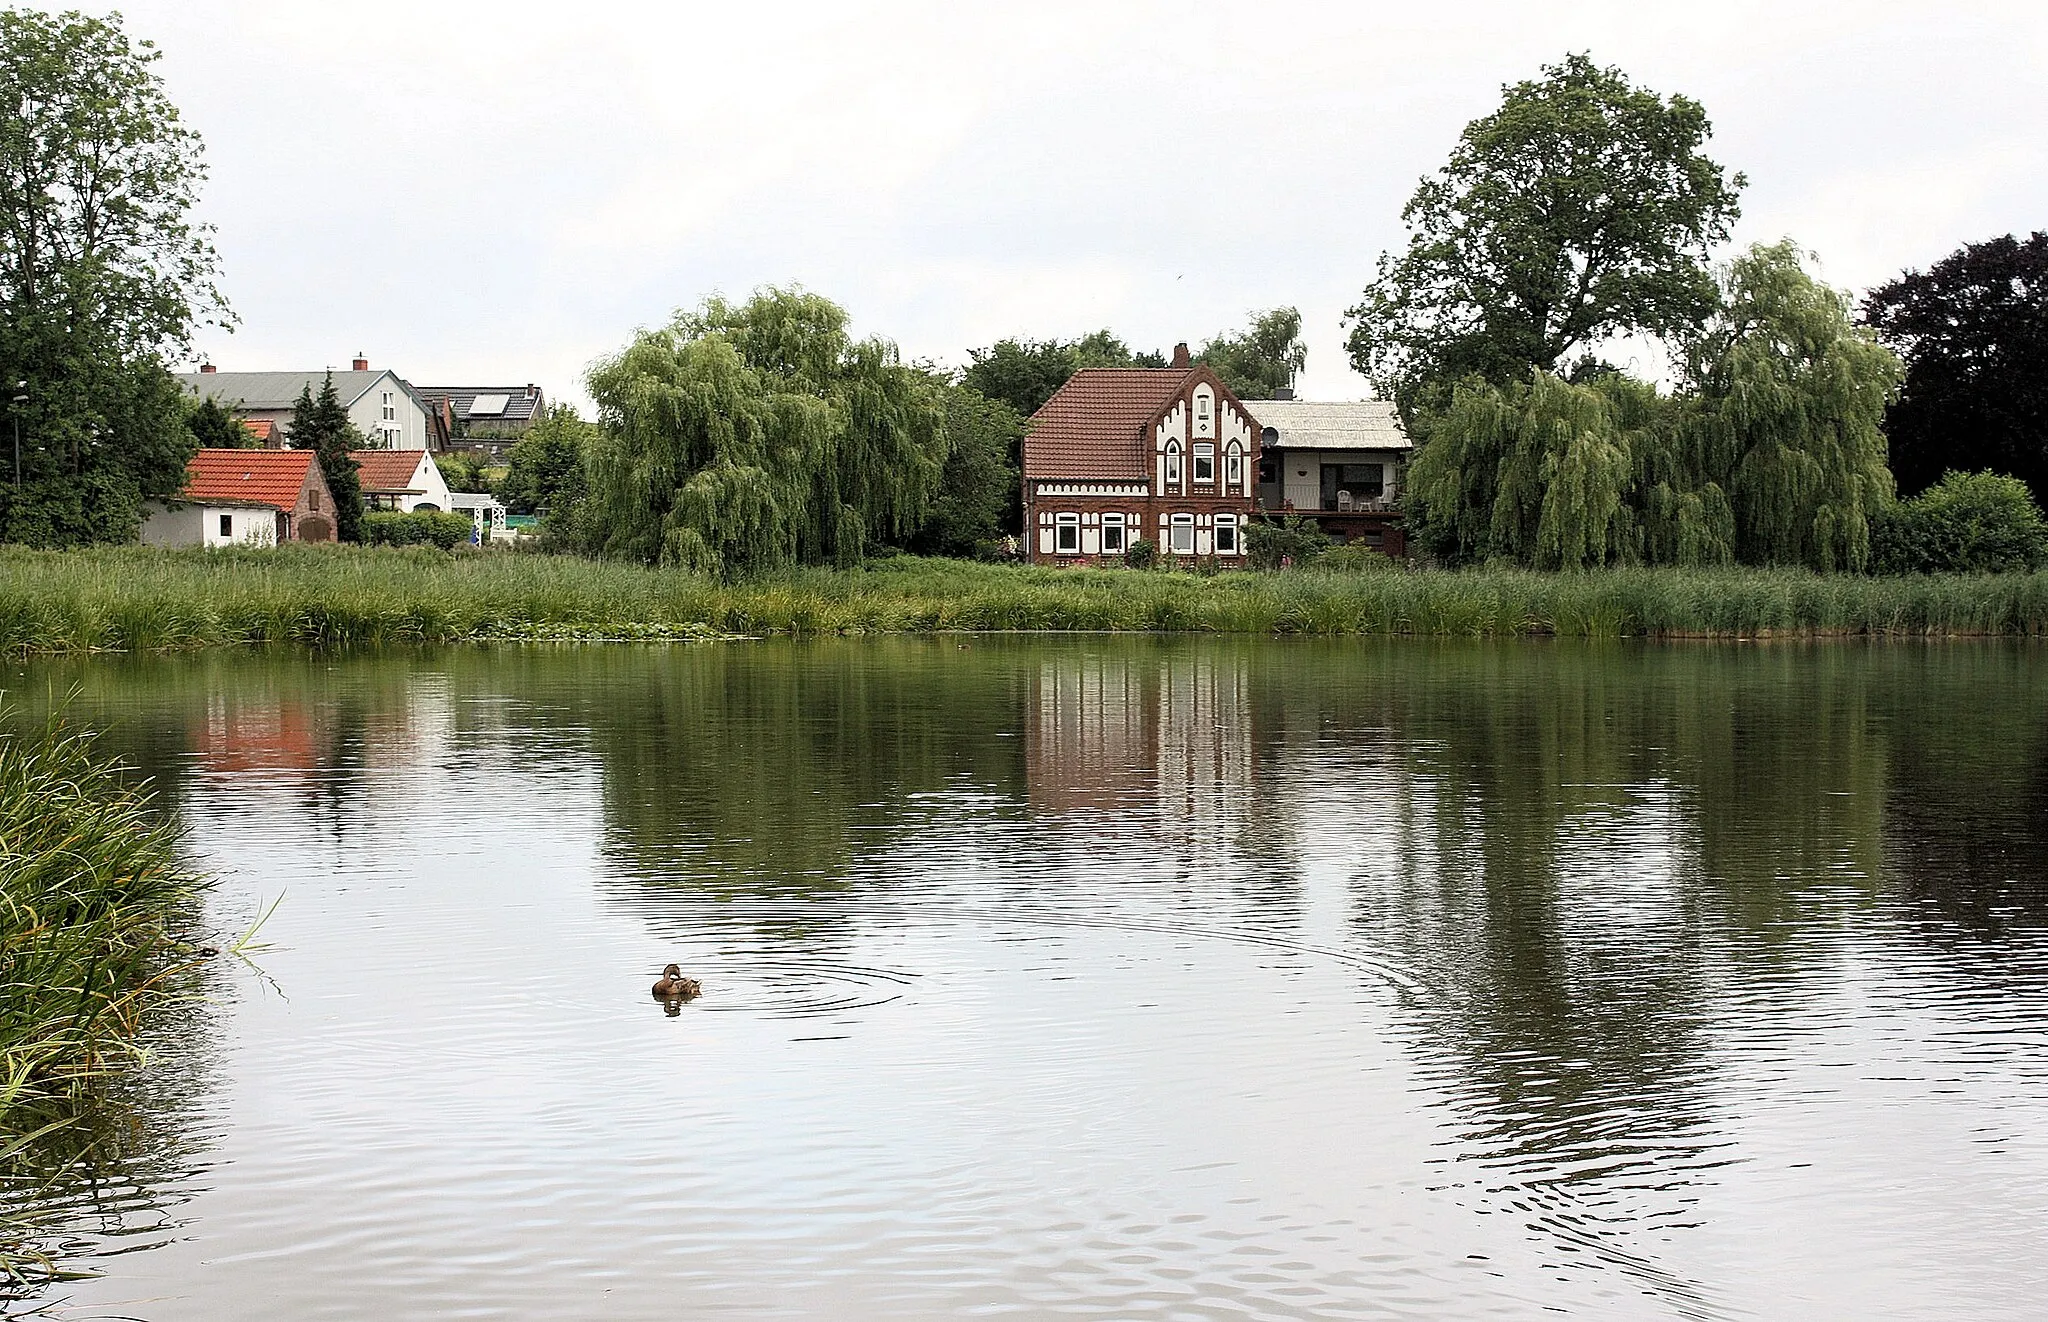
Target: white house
x,y
384,407
403,480
1318,456
245,498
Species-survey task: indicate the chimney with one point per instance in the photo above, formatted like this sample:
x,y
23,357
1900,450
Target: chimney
x,y
208,368
1180,355
362,364
1283,392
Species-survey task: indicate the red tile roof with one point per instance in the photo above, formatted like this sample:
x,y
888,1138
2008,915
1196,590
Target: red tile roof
x,y
388,470
247,477
1095,426
263,429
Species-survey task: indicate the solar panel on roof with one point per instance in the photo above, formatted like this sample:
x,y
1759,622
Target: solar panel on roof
x,y
490,405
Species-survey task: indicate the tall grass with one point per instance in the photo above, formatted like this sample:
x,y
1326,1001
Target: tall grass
x,y
90,893
140,599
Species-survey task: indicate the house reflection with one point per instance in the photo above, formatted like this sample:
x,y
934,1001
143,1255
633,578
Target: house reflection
x,y
1160,742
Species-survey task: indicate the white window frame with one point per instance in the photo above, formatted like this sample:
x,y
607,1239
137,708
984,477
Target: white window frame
x,y
1181,529
1226,530
1173,463
1233,465
1113,528
1066,534
1205,464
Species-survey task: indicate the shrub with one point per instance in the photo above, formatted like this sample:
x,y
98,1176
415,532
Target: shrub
x,y
1967,523
1143,554
1294,539
1356,558
419,528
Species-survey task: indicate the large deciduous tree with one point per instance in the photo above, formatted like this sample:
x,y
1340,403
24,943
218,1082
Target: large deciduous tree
x,y
1026,373
544,469
749,436
978,499
1973,330
320,424
1264,360
1580,210
101,273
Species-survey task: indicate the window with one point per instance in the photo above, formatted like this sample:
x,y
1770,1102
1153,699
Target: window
x,y
1181,534
1226,534
1346,485
1233,466
1205,463
227,525
390,412
1112,534
1066,534
1205,425
1173,463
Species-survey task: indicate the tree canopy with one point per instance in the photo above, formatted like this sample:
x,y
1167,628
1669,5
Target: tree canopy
x,y
544,469
1264,360
1026,373
101,273
978,497
752,435
216,428
1973,330
320,424
1580,210
1769,453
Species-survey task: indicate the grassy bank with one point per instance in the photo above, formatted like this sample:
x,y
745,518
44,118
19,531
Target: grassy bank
x,y
137,599
90,891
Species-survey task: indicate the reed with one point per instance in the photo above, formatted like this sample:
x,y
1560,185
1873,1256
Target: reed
x,y
140,599
91,891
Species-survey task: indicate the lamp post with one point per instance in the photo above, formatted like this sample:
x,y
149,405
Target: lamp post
x,y
20,398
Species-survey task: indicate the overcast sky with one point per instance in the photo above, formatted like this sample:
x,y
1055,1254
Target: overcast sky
x,y
483,193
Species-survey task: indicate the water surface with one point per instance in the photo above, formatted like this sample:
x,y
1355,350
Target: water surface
x,y
1099,977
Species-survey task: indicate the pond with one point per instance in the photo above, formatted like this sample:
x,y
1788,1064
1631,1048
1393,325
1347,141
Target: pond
x,y
1112,977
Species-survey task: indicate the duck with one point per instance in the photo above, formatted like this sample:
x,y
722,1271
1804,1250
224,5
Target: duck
x,y
675,987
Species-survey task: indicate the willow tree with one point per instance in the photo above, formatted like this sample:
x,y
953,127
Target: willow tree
x,y
1788,405
1538,472
755,435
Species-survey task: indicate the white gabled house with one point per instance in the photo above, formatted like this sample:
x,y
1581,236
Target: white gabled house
x,y
384,407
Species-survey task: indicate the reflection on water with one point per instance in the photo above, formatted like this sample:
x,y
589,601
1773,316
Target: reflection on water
x,y
1124,977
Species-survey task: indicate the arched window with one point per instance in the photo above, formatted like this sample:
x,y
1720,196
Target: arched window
x,y
1173,463
1233,466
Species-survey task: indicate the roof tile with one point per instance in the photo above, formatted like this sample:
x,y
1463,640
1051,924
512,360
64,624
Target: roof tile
x,y
388,470
247,477
1094,427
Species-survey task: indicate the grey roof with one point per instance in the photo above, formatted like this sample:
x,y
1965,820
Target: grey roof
x,y
521,404
280,390
1311,424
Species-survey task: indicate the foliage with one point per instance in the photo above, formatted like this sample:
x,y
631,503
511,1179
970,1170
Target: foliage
x,y
1770,454
1356,558
1026,373
1142,553
464,470
216,428
1973,330
1790,407
1290,541
147,599
978,496
544,469
417,528
1264,360
1967,523
1581,209
101,272
749,436
320,424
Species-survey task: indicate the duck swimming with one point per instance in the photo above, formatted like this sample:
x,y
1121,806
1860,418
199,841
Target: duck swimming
x,y
675,987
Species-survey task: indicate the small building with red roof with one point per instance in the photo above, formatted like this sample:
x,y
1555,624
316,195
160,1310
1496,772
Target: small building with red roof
x,y
246,498
402,480
1168,455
